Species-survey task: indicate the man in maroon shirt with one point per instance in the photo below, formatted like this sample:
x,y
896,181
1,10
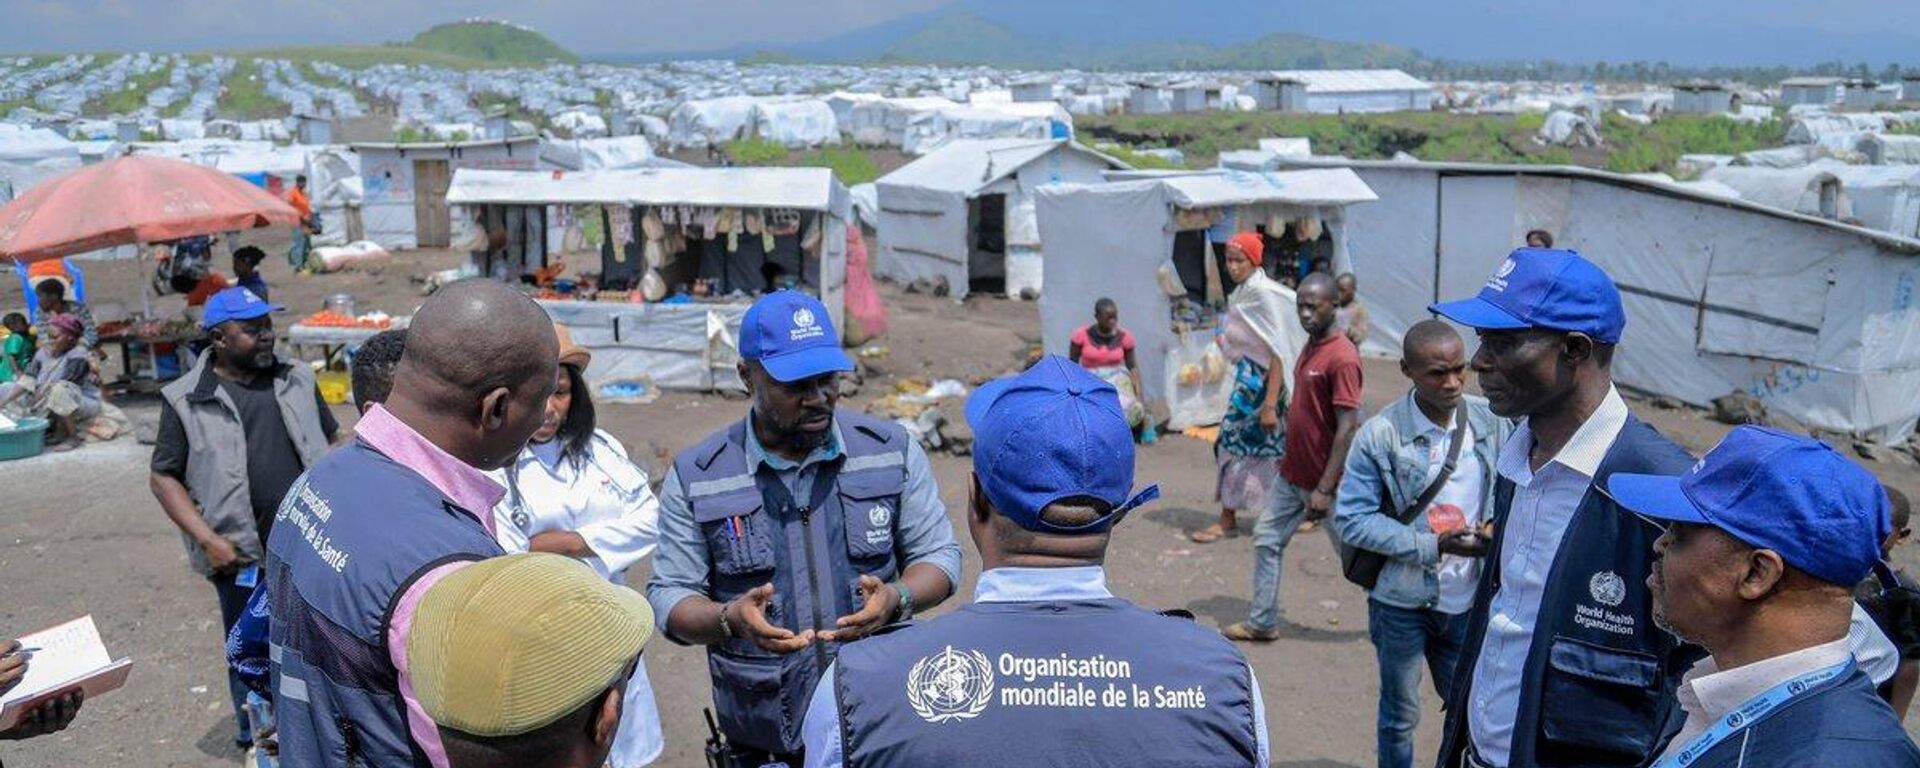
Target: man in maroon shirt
x,y
1322,416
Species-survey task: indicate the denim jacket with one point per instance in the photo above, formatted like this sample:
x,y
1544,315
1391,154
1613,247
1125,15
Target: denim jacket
x,y
1389,451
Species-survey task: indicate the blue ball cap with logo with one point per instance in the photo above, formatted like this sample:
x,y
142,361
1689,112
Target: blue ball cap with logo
x,y
1054,432
1544,288
790,334
234,304
1824,514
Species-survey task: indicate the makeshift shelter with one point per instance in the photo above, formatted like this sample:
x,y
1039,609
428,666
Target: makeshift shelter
x,y
405,185
1703,99
1334,91
963,215
337,195
1816,318
881,122
799,124
598,154
709,122
1567,129
1149,243
1891,149
721,234
1882,197
1811,190
1814,128
28,155
1809,90
273,167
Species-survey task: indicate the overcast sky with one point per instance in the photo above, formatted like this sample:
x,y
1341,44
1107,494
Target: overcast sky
x,y
586,26
1682,31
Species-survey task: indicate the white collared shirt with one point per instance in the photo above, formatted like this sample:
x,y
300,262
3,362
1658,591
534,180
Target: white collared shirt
x,y
1537,521
1707,693
1465,489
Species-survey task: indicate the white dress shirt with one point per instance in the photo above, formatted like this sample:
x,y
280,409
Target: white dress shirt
x,y
821,730
1465,489
1542,508
1707,694
605,499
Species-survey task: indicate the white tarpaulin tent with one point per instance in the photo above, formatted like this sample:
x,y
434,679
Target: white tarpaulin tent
x,y
932,211
796,124
602,154
709,122
1818,319
30,155
679,346
1809,189
1112,240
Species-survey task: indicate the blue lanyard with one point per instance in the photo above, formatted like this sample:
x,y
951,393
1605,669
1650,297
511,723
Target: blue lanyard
x,y
1753,711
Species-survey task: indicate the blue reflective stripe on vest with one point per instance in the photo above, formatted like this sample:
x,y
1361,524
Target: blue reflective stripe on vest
x,y
760,698
354,532
1089,683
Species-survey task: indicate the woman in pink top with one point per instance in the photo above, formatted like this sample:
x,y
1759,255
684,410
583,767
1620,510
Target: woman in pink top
x,y
1106,350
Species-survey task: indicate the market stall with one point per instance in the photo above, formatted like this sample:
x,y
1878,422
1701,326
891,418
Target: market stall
x,y
687,251
1149,244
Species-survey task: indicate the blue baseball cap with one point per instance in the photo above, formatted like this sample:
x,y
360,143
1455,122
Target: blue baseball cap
x,y
1823,513
791,334
1543,288
1053,432
234,304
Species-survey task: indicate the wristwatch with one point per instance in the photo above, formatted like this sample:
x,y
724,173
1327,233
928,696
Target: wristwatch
x,y
905,611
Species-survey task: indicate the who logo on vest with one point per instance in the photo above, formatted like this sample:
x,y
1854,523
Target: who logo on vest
x,y
950,685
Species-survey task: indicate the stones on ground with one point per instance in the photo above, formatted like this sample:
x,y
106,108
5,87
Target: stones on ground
x,y
1739,408
1666,403
1882,454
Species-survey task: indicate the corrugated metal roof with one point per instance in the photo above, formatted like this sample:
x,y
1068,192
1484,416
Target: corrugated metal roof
x,y
1354,80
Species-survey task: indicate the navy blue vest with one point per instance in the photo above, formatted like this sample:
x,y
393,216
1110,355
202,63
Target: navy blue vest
x,y
1084,683
353,533
1599,678
1839,723
813,555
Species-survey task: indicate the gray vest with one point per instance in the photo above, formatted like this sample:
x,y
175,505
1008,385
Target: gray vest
x,y
813,547
217,472
1085,683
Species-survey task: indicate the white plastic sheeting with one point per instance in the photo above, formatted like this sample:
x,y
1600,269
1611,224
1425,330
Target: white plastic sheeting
x,y
1810,128
389,213
1891,149
1819,320
31,155
1566,129
598,154
708,122
812,189
1110,240
796,124
678,346
1810,190
924,210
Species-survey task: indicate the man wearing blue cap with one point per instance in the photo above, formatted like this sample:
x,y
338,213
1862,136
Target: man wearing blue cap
x,y
1765,538
235,432
1562,664
1046,667
799,528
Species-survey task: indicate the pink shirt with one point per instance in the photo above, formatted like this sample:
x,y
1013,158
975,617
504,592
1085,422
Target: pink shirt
x,y
1095,356
468,487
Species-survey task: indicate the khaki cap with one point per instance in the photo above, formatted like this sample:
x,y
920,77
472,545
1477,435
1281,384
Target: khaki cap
x,y
571,353
505,646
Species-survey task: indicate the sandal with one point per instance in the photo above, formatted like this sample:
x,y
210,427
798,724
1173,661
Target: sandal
x,y
1213,533
66,445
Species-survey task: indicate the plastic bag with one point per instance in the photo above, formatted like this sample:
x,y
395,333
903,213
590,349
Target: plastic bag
x,y
1169,278
652,286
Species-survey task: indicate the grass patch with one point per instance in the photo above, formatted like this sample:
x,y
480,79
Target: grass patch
x,y
850,166
756,152
1139,160
133,96
1433,136
244,95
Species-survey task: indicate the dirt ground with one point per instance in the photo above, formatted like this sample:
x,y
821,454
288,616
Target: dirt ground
x,y
80,533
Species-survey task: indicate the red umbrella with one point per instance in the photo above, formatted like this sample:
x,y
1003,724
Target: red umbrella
x,y
131,200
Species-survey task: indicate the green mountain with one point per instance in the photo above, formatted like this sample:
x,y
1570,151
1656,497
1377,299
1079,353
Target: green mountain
x,y
496,42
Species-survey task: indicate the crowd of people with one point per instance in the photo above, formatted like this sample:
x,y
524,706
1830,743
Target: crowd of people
x,y
444,584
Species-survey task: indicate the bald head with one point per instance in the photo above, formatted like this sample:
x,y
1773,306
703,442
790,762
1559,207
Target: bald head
x,y
479,365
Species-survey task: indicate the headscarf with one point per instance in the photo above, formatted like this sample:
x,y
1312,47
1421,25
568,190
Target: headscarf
x,y
1250,244
1269,309
67,324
